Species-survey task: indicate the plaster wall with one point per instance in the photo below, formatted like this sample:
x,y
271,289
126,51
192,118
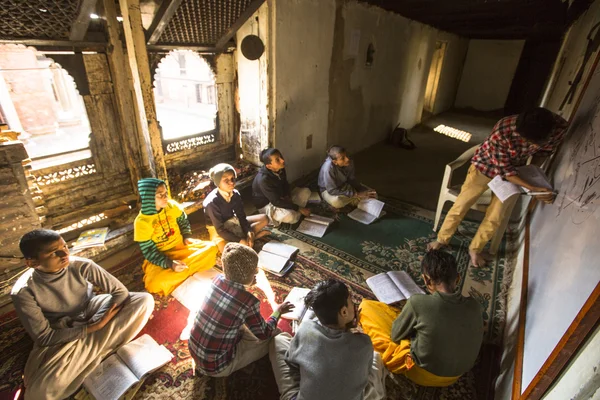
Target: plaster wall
x,y
303,42
570,60
454,59
253,82
488,73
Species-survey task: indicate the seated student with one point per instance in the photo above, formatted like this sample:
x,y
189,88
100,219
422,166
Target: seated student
x,y
327,359
534,133
226,219
337,183
229,332
271,191
72,329
435,338
165,238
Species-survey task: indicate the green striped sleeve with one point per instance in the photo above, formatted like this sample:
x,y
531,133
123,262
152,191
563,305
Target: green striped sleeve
x,y
184,225
152,254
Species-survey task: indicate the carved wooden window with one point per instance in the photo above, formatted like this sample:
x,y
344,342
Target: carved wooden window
x,y
40,99
186,101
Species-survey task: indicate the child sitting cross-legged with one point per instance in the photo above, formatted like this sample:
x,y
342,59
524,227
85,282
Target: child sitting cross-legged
x,y
229,332
435,338
328,359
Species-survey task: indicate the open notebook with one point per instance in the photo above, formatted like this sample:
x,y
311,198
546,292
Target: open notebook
x,y
276,257
393,286
531,174
115,375
296,297
367,211
315,225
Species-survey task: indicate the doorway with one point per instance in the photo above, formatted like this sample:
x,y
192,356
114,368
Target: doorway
x,y
433,79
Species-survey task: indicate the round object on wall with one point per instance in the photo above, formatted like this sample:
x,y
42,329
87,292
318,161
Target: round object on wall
x,y
252,47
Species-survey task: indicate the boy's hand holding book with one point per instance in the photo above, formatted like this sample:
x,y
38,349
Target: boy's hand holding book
x,y
547,197
285,307
179,266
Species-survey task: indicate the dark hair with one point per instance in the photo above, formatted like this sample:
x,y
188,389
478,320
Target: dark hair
x,y
440,267
266,154
335,151
32,242
326,299
536,124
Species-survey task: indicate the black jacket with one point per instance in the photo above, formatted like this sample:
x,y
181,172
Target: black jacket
x,y
269,187
218,211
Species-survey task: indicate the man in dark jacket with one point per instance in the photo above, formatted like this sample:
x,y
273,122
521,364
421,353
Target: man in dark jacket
x,y
271,192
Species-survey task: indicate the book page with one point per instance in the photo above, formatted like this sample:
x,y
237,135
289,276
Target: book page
x,y
280,249
314,198
296,297
385,289
361,216
144,355
110,380
534,175
405,283
319,219
271,262
312,229
371,206
503,189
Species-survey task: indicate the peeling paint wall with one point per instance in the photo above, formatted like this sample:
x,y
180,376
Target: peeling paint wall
x,y
303,40
488,73
253,82
324,91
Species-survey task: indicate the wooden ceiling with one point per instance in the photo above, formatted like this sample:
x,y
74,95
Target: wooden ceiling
x,y
490,19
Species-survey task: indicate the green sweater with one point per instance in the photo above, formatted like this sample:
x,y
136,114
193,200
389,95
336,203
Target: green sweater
x,y
445,330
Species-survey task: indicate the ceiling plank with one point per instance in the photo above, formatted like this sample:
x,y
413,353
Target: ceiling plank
x,y
247,13
193,47
80,26
59,44
164,14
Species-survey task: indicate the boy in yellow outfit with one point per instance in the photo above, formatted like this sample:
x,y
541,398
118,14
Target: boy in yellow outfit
x,y
165,238
436,337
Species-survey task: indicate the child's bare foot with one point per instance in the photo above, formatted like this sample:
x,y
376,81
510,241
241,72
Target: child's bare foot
x,y
262,234
477,259
435,245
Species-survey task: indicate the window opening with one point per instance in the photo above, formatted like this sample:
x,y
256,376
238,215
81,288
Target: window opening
x,y
39,99
185,95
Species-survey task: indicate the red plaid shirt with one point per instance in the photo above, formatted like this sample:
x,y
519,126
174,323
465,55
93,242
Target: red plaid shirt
x,y
505,149
216,330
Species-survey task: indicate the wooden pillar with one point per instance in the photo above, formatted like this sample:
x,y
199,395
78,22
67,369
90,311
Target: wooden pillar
x,y
142,81
138,151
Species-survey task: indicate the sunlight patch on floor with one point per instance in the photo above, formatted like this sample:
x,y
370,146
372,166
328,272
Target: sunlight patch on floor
x,y
453,133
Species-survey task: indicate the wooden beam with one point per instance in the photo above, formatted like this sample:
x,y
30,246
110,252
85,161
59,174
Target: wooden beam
x,y
142,82
92,46
247,13
162,18
169,47
80,26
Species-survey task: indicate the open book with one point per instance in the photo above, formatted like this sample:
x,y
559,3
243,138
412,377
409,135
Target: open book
x,y
276,257
91,238
367,211
115,375
393,286
315,225
296,297
531,174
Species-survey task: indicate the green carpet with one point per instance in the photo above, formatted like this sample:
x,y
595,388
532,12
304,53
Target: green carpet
x,y
398,242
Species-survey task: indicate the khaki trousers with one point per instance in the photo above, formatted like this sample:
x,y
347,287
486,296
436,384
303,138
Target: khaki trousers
x,y
288,379
248,350
283,215
338,201
475,184
56,372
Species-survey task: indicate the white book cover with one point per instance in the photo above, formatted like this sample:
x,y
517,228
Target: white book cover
x,y
115,375
367,211
393,286
296,297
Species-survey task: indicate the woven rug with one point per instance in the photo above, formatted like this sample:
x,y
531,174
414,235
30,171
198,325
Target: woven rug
x,y
350,252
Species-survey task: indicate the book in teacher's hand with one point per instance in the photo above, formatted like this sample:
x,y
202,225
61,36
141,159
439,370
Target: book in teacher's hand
x,y
277,258
393,286
129,365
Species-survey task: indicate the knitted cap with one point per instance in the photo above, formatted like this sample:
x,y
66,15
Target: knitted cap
x,y
147,188
216,172
239,262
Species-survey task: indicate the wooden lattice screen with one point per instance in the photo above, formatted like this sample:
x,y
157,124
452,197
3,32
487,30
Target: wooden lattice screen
x,y
39,19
